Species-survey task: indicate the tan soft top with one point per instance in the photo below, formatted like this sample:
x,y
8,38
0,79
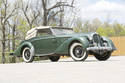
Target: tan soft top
x,y
33,32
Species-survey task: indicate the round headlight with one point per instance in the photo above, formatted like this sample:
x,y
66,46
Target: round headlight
x,y
90,38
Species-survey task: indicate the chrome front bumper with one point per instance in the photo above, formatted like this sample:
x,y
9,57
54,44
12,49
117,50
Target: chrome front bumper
x,y
99,48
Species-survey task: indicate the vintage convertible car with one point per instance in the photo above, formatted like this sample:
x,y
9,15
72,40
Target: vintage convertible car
x,y
54,42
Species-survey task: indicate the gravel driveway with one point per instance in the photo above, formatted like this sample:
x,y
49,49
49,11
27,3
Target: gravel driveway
x,y
65,71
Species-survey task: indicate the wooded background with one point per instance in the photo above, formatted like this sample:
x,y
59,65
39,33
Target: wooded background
x,y
19,16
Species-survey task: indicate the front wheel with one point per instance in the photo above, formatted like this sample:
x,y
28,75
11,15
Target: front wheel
x,y
77,52
103,57
27,55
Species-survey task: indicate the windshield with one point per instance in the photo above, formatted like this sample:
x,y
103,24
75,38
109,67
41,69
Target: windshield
x,y
62,31
44,32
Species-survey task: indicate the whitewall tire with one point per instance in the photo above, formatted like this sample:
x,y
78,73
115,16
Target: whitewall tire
x,y
27,55
77,52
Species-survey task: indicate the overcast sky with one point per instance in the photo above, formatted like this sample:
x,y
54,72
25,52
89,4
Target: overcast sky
x,y
102,9
114,10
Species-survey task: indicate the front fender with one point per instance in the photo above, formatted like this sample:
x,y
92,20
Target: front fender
x,y
64,48
111,44
18,51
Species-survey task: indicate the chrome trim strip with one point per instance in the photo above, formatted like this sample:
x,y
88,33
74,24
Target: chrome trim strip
x,y
99,48
43,54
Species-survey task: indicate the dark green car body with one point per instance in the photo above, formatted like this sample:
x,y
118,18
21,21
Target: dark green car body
x,y
59,44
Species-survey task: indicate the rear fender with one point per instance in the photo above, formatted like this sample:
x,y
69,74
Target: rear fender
x,y
18,51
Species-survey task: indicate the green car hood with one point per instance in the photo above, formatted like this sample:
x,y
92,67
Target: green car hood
x,y
77,35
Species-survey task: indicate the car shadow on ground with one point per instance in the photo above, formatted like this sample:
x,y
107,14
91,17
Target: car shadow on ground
x,y
71,61
80,61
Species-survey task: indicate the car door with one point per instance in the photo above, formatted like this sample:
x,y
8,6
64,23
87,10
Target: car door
x,y
45,44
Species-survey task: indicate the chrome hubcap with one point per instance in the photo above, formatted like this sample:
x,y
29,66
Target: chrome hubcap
x,y
27,54
78,51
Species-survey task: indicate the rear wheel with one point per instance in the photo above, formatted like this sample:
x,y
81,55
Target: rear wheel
x,y
77,52
54,58
105,56
27,55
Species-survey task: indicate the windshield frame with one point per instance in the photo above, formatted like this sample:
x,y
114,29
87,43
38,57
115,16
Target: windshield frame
x,y
54,33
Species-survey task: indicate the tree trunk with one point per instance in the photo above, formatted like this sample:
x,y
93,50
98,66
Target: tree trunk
x,y
45,12
45,19
9,41
13,43
61,19
3,44
13,38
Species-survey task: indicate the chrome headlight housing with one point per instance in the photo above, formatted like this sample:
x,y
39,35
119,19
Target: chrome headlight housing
x,y
90,38
96,38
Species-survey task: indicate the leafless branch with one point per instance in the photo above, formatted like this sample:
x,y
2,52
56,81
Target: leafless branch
x,y
58,4
72,2
11,14
30,19
25,12
35,16
57,13
5,2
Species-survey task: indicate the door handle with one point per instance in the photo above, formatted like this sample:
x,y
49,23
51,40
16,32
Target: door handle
x,y
54,40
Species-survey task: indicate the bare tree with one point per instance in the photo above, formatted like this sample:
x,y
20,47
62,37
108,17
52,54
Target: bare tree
x,y
5,16
47,10
31,15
